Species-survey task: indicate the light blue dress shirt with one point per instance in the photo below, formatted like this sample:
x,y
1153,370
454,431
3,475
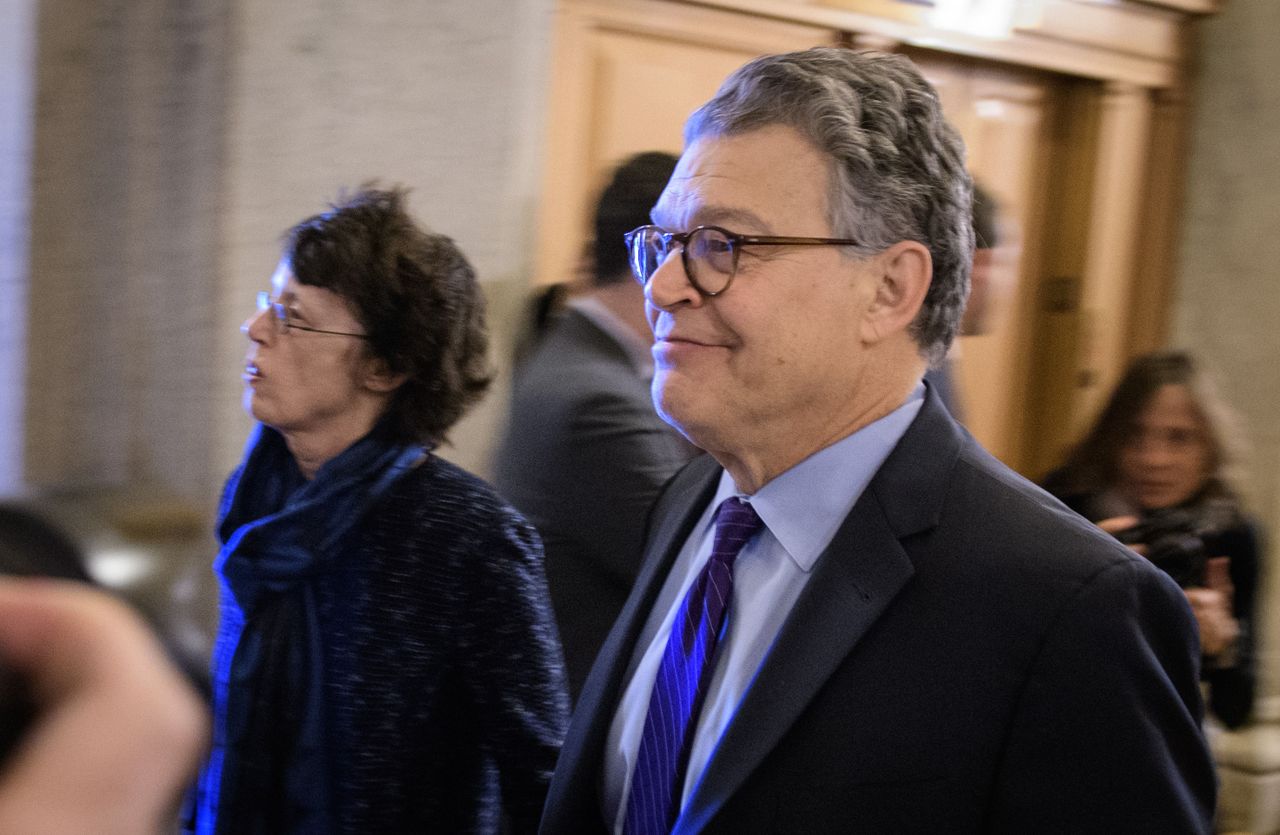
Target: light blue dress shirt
x,y
802,509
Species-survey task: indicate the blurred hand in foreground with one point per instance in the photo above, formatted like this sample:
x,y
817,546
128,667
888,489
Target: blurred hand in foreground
x,y
117,732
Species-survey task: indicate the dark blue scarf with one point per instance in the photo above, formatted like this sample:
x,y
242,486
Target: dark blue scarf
x,y
269,771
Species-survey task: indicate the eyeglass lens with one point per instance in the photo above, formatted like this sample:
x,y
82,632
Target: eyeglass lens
x,y
710,258
279,315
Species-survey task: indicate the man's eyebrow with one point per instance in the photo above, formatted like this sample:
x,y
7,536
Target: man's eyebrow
x,y
733,218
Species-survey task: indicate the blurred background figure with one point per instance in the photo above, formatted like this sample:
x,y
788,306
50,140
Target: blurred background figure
x,y
584,453
387,658
116,733
1156,470
989,286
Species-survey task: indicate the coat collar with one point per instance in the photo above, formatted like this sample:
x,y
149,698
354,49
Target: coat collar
x,y
854,581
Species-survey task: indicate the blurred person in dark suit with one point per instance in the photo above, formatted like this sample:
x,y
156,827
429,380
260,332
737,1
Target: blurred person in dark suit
x,y
850,617
584,453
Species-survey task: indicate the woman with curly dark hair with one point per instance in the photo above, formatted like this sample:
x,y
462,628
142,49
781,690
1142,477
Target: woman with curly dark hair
x,y
387,659
1156,471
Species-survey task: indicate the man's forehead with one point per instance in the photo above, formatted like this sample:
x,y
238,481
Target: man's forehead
x,y
743,181
678,215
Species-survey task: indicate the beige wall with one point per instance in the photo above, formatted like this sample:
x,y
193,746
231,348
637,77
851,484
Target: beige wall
x,y
1228,304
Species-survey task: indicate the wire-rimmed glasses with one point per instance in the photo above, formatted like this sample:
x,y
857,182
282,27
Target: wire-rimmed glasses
x,y
709,253
285,323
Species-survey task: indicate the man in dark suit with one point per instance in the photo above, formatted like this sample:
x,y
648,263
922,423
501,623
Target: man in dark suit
x,y
584,453
877,626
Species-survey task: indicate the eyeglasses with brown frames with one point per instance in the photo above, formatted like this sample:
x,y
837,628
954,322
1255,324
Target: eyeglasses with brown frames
x,y
709,253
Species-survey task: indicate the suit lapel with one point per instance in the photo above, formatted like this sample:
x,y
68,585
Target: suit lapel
x,y
573,795
853,583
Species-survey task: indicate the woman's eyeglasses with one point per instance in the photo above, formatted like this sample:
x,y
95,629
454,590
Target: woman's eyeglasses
x,y
285,323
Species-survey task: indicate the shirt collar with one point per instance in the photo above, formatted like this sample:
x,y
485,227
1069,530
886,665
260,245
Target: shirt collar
x,y
805,506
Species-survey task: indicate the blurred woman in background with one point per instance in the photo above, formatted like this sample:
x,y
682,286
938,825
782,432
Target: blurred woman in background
x,y
1155,471
387,659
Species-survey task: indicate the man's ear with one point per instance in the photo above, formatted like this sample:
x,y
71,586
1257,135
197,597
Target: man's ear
x,y
902,274
379,378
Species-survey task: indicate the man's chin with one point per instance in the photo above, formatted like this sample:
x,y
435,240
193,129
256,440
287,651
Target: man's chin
x,y
685,418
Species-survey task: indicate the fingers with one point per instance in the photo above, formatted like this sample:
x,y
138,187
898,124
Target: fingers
x,y
1218,629
1217,575
118,731
1117,523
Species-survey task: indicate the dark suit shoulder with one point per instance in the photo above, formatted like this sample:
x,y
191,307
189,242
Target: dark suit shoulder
x,y
576,370
575,339
1017,517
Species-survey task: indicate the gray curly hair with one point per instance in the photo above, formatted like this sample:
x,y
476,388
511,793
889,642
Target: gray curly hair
x,y
898,168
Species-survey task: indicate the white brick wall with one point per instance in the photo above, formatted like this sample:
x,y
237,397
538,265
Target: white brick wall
x,y
175,142
444,97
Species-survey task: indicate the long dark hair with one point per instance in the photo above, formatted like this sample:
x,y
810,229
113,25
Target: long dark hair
x,y
1093,465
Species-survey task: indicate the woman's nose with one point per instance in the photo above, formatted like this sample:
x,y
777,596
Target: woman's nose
x,y
258,326
1155,454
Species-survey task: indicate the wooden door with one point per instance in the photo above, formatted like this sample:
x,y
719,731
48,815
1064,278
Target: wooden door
x,y
1006,116
1062,154
625,75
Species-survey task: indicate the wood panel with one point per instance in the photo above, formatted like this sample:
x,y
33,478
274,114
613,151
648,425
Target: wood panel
x,y
994,37
1157,257
1118,190
1001,112
625,77
1064,197
1067,156
1125,29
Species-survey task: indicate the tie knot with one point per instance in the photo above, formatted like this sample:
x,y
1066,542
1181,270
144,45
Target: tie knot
x,y
736,522
734,511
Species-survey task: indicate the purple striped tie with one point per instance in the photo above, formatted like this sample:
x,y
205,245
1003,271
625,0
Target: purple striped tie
x,y
681,684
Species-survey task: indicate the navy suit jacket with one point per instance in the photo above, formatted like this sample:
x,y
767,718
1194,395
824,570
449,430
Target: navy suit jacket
x,y
968,656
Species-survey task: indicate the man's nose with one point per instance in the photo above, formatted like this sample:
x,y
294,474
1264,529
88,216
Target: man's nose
x,y
670,284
